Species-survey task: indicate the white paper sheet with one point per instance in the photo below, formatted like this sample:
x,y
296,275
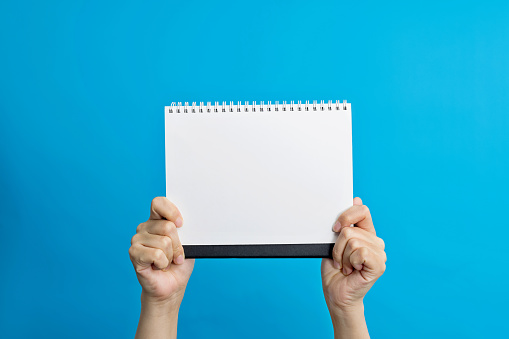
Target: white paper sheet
x,y
259,177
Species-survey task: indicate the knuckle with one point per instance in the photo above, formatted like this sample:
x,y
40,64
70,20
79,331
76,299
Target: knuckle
x,y
140,227
342,235
166,242
347,232
135,239
345,219
134,251
168,227
356,259
336,254
354,243
165,228
365,209
364,252
156,202
382,243
159,255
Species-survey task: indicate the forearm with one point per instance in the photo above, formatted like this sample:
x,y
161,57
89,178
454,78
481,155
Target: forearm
x,y
157,320
349,323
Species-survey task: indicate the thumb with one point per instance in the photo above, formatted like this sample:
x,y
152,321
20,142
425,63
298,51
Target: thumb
x,y
184,270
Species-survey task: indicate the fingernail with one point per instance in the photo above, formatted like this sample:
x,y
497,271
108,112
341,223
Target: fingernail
x,y
179,222
336,265
336,226
344,271
166,269
180,259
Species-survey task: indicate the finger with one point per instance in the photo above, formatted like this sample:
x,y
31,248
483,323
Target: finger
x,y
370,264
168,228
143,257
358,215
337,256
353,245
161,242
340,246
178,250
162,208
159,227
337,225
348,233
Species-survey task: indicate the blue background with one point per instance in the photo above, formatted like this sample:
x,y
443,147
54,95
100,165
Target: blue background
x,y
83,85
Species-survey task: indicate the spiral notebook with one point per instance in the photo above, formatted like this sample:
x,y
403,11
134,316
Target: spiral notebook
x,y
259,180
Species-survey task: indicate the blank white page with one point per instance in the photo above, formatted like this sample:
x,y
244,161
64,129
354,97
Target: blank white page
x,y
271,177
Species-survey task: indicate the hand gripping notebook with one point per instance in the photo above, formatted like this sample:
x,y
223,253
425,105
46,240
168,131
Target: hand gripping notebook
x,y
259,180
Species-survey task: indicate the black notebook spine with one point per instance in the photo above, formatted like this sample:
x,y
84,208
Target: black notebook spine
x,y
260,251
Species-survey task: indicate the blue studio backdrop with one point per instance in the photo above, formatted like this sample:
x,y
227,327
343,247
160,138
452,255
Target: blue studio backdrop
x,y
83,85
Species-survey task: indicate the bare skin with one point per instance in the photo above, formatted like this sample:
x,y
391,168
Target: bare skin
x,y
358,261
163,272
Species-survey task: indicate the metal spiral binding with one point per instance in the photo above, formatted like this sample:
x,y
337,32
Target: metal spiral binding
x,y
253,107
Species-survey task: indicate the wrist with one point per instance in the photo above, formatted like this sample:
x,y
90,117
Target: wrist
x,y
342,305
347,311
158,318
348,318
160,307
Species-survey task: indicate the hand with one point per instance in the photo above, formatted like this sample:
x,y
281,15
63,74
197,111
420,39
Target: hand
x,y
158,256
358,260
